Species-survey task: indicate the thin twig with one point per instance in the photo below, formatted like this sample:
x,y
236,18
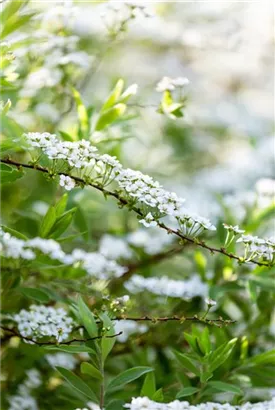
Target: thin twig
x,y
124,202
69,342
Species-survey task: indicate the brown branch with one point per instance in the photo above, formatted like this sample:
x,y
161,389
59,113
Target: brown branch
x,y
69,342
182,319
218,322
124,202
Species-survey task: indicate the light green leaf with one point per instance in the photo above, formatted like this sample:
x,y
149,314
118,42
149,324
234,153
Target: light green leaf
x,y
82,114
48,222
226,387
149,386
60,206
36,294
109,116
221,354
77,383
128,376
187,391
87,318
107,343
114,95
71,349
10,176
187,363
88,368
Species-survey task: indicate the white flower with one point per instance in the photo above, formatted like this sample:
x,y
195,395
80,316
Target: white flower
x,y
67,182
169,84
148,221
143,403
210,302
235,229
164,286
42,321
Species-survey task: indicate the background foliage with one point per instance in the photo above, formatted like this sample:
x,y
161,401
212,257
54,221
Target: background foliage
x,y
59,65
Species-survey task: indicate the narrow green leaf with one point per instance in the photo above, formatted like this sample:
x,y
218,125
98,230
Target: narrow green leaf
x,y
47,222
221,354
13,232
77,383
82,114
87,318
7,176
35,294
149,386
109,116
226,387
71,349
114,95
187,391
187,363
107,343
62,224
128,376
60,206
158,396
88,368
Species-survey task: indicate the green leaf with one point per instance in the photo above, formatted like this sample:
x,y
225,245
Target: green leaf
x,y
192,341
71,349
149,386
10,176
128,93
221,354
109,116
264,282
15,22
204,341
187,363
252,288
83,116
48,222
87,318
77,383
115,405
62,223
15,233
88,368
81,223
158,396
226,387
187,391
114,95
128,376
107,343
261,359
36,294
10,9
60,206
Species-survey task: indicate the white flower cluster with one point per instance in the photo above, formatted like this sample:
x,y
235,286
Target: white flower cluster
x,y
41,321
90,406
164,286
114,247
143,403
139,189
67,182
62,359
94,263
128,327
23,399
153,240
255,247
170,84
258,247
